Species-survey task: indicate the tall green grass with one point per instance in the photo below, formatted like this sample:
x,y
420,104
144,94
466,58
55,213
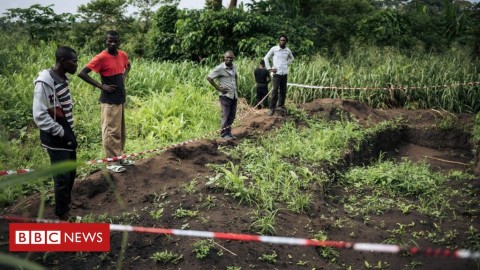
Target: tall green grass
x,y
279,169
374,67
170,102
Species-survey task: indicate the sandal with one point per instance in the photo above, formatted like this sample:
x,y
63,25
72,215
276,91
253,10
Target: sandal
x,y
116,168
126,162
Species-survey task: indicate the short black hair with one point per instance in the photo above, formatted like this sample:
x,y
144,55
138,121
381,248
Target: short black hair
x,y
64,52
279,37
112,33
262,62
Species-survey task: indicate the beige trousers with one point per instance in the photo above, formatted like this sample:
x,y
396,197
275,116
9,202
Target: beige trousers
x,y
113,129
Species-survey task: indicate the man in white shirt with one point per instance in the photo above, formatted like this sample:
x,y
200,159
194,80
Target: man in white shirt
x,y
282,57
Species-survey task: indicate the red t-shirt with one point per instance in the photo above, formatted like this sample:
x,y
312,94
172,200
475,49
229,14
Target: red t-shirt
x,y
111,69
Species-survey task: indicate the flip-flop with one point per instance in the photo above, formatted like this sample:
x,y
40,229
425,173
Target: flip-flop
x,y
116,168
126,162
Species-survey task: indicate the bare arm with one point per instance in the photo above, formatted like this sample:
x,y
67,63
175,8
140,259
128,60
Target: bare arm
x,y
125,74
220,89
83,74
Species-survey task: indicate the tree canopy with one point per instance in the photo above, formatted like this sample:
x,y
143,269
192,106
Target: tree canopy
x,y
160,30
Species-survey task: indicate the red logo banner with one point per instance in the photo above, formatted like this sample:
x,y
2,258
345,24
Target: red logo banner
x,y
59,237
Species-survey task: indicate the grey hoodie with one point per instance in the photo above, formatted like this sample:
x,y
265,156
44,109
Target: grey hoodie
x,y
48,115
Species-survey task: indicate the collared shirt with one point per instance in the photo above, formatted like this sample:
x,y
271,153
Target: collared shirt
x,y
281,59
226,78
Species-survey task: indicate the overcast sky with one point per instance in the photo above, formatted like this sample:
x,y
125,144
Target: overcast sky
x,y
61,6
70,6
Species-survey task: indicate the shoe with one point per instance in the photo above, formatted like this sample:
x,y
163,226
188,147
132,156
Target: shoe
x,y
271,112
282,109
116,168
126,162
233,136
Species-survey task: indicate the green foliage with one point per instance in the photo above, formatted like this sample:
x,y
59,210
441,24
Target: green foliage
x,y
96,18
166,257
327,253
278,168
202,248
206,34
386,28
161,38
263,221
41,22
269,258
181,213
12,261
397,178
476,129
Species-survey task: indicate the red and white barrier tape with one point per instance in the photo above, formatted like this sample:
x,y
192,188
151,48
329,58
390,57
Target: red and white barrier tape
x,y
112,159
367,247
400,87
9,172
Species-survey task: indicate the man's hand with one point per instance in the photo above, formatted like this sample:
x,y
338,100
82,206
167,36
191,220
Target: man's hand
x,y
222,89
108,88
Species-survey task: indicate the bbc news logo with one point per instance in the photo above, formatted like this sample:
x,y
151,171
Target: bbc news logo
x,y
59,237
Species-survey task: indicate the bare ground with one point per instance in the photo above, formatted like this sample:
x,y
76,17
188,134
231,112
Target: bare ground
x,y
162,178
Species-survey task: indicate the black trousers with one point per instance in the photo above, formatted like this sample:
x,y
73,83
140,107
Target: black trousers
x,y
229,111
262,91
279,92
63,183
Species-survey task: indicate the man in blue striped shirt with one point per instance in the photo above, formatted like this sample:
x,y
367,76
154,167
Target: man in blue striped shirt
x,y
282,57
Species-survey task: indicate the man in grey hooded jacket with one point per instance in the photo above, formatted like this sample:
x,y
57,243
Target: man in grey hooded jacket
x,y
52,113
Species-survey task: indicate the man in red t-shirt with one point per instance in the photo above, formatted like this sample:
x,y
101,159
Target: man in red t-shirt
x,y
113,66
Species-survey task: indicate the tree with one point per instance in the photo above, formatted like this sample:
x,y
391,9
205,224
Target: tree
x,y
213,4
41,22
145,16
233,4
99,16
161,38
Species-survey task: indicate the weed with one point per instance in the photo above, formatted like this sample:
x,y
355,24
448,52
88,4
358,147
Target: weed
x,y
191,187
269,258
157,214
209,202
202,248
166,257
263,221
328,253
181,213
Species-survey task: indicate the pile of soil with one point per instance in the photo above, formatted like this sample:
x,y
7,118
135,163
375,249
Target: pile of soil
x,y
163,179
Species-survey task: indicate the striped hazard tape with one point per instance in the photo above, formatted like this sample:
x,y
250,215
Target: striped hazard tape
x,y
9,172
399,87
367,247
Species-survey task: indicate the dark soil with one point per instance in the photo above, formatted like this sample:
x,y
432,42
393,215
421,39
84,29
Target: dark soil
x,y
162,178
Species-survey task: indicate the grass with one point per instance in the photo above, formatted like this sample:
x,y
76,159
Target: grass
x,y
172,102
284,170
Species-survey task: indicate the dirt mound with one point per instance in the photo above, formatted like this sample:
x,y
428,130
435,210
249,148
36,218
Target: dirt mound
x,y
165,179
